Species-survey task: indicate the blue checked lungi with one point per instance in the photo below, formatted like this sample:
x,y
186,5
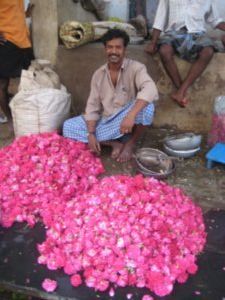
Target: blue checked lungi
x,y
107,128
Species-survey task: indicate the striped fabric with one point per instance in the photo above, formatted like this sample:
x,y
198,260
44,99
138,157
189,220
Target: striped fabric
x,y
107,128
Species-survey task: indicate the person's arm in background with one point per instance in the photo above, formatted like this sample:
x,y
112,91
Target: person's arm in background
x,y
214,19
158,25
29,10
152,45
2,39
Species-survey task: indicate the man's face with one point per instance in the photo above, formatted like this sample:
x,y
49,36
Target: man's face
x,y
115,51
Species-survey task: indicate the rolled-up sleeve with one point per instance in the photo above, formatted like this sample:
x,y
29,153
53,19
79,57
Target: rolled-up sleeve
x,y
213,18
146,88
93,107
161,17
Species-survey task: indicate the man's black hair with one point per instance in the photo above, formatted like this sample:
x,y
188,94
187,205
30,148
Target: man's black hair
x,y
115,34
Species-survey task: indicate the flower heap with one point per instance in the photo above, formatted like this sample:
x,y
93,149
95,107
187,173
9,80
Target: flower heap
x,y
116,231
41,171
216,134
126,231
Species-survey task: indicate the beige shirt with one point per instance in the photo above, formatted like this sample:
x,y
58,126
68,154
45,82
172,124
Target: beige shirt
x,y
133,83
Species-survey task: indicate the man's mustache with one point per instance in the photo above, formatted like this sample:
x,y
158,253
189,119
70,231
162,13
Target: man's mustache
x,y
113,55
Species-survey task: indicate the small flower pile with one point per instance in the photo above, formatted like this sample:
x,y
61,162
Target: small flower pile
x,y
117,231
216,134
40,171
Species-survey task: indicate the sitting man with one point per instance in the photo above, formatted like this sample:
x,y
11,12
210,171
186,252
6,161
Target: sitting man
x,y
120,102
184,24
15,47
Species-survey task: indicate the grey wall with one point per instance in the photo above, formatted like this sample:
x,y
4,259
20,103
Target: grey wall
x,y
47,16
45,29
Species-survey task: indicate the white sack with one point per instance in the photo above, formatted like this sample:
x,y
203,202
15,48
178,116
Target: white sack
x,y
39,110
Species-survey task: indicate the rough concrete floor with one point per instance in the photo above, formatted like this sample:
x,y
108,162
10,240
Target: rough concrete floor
x,y
206,187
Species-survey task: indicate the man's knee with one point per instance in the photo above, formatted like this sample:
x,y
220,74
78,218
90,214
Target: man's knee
x,y
206,53
166,51
75,124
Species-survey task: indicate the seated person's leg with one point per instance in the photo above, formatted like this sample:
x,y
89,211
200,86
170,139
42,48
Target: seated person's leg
x,y
76,128
143,119
167,53
12,60
108,131
197,68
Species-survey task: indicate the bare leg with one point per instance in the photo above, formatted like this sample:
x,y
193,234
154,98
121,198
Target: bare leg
x,y
116,147
195,71
167,57
4,101
127,150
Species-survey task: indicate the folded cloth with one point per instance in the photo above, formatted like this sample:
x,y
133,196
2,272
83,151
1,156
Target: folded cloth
x,y
74,34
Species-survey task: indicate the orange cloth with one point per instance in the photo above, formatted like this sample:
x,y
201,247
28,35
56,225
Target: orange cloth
x,y
13,23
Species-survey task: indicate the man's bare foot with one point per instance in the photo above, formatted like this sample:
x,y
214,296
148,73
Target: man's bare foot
x,y
180,98
126,153
116,149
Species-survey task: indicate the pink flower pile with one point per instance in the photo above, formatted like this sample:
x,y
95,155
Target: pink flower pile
x,y
41,171
126,231
117,231
217,132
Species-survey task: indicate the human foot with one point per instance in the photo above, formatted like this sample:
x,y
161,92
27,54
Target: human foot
x,y
180,98
126,153
116,149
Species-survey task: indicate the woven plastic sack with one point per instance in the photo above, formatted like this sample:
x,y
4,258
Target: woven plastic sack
x,y
39,79
39,110
217,132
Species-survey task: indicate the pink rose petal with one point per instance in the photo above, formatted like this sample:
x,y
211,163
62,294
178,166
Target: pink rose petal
x,y
49,285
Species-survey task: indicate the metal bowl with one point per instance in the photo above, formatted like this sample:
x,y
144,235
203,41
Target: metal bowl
x,y
154,163
181,153
185,141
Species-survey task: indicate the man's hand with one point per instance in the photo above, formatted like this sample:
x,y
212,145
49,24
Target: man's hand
x,y
151,48
127,124
93,144
2,39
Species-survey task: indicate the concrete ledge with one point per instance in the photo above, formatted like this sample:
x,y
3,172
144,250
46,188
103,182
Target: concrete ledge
x,y
76,66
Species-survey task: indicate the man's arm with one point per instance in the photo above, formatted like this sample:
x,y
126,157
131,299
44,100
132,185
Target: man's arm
x,y
147,93
158,26
93,143
128,122
92,115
